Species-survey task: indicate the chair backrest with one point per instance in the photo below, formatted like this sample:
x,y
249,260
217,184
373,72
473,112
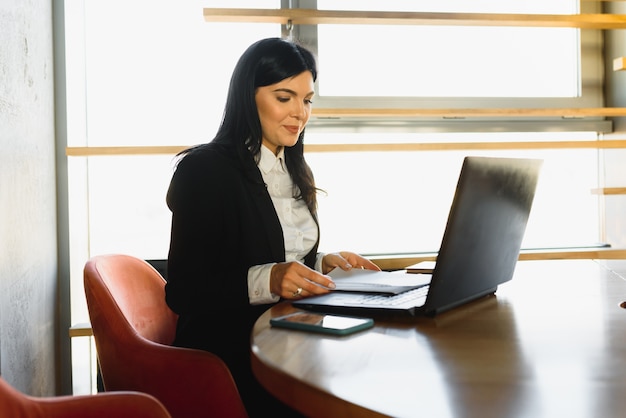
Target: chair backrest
x,y
14,404
137,293
134,328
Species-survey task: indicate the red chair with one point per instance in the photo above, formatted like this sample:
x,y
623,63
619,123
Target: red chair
x,y
134,328
14,404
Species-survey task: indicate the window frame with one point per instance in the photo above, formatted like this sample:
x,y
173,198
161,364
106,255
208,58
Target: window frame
x,y
590,87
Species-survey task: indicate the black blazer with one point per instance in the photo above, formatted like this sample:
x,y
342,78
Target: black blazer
x,y
223,222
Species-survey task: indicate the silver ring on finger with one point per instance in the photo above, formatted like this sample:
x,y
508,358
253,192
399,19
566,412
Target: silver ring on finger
x,y
298,292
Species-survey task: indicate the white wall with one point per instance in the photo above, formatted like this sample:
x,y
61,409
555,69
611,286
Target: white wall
x,y
28,226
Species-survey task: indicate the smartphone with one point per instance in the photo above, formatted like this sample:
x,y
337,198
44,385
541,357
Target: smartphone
x,y
322,323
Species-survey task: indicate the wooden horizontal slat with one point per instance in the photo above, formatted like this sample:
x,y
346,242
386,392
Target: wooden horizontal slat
x,y
113,150
609,191
346,17
81,330
401,262
456,146
466,113
422,146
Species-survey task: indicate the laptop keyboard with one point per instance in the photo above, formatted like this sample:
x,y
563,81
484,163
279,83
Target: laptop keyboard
x,y
384,300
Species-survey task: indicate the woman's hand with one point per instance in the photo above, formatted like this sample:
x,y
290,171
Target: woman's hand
x,y
346,261
294,280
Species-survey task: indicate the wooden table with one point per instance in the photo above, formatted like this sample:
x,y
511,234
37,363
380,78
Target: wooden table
x,y
550,343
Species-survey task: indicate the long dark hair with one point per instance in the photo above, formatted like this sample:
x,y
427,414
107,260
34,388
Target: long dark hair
x,y
266,62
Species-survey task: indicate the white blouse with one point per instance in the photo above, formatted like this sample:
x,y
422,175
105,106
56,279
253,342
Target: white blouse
x,y
299,229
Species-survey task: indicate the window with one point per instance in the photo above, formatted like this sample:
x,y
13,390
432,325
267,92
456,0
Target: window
x,y
460,67
449,61
398,202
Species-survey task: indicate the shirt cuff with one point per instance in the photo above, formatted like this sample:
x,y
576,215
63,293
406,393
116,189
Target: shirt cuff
x,y
259,285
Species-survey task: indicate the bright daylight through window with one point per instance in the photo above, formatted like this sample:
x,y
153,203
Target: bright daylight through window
x,y
449,61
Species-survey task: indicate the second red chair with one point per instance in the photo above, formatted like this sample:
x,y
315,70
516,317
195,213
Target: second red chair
x,y
134,328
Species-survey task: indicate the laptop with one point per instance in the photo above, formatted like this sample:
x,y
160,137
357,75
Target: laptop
x,y
479,249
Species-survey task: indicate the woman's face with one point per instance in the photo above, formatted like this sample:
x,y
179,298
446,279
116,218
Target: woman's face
x,y
284,109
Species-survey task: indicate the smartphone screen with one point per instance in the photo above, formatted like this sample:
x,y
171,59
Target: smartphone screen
x,y
324,323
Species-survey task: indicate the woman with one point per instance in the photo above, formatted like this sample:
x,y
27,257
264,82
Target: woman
x,y
244,226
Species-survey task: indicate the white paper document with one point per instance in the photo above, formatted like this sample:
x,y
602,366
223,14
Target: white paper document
x,y
370,281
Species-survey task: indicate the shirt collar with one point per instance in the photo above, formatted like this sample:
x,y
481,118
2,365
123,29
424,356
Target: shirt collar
x,y
269,161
